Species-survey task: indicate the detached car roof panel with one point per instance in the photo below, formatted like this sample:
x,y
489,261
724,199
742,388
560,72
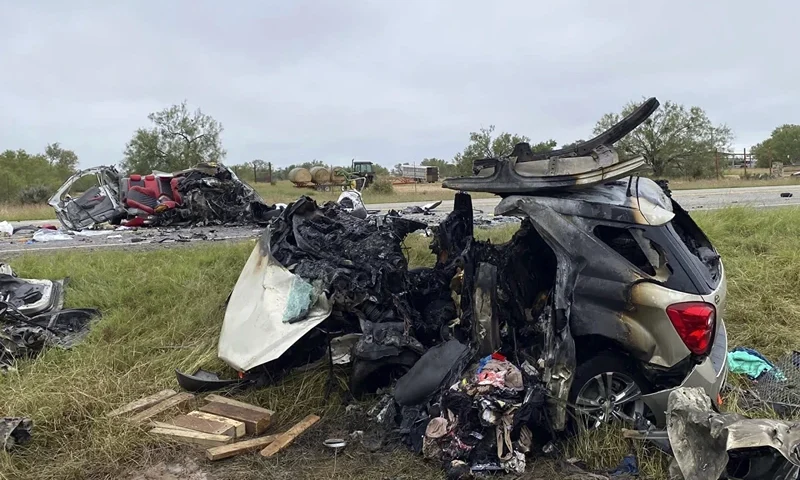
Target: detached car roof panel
x,y
580,166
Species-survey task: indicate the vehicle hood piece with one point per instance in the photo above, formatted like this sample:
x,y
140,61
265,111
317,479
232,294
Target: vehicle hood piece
x,y
260,320
707,444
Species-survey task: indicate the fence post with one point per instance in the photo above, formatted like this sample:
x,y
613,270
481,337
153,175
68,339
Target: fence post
x,y
745,163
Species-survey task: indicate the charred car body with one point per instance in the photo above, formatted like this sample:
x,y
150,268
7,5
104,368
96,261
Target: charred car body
x,y
208,194
605,300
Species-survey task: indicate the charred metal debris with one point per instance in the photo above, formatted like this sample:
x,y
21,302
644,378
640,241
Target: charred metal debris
x,y
14,431
465,346
32,318
208,194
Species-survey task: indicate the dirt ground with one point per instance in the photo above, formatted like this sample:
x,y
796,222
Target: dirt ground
x,y
188,469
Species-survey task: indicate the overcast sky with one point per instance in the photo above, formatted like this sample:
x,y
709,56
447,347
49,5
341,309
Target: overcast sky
x,y
387,81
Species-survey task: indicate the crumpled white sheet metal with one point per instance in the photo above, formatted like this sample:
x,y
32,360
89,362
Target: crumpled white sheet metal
x,y
705,443
6,229
256,328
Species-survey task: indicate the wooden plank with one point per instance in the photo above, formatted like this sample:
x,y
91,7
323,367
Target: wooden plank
x,y
287,437
196,438
204,425
220,399
227,451
168,426
142,403
239,430
162,406
255,423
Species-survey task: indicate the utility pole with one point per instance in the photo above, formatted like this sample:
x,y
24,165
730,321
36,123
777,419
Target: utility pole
x,y
269,172
716,161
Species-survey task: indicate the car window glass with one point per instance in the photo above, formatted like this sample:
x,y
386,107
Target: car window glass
x,y
622,241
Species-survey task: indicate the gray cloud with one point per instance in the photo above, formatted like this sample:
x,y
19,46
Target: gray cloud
x,y
385,81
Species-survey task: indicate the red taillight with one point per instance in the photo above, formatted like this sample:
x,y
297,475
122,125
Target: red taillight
x,y
694,322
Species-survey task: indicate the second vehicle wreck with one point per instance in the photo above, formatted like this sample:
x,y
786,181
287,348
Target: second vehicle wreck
x,y
208,194
608,298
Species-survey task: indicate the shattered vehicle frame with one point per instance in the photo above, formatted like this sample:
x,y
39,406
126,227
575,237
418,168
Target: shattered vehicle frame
x,y
207,194
639,290
607,298
100,203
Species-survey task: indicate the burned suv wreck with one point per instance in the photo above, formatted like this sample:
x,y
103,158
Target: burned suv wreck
x,y
607,298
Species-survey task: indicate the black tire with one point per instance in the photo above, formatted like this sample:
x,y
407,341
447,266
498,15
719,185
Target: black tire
x,y
603,362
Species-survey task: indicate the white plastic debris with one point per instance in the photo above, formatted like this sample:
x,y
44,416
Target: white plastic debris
x,y
92,233
46,235
6,229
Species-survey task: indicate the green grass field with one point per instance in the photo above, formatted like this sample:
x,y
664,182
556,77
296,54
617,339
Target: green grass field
x,y
168,315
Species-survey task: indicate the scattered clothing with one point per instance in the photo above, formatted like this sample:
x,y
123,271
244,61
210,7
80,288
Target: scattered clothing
x,y
745,361
628,466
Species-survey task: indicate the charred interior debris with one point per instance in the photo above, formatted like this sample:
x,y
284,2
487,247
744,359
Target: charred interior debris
x,y
461,344
32,318
211,195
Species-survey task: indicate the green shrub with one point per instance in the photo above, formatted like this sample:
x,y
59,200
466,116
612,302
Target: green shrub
x,y
382,186
34,194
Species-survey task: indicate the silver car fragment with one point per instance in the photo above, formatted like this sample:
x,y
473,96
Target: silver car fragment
x,y
708,445
98,204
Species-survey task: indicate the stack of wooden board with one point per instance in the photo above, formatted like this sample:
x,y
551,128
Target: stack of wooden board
x,y
217,424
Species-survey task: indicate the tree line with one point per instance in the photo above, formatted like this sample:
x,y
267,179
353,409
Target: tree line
x,y
676,141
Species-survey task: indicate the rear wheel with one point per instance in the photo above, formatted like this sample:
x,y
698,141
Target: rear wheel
x,y
607,388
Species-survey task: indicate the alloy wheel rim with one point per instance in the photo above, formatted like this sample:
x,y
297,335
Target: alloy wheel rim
x,y
609,397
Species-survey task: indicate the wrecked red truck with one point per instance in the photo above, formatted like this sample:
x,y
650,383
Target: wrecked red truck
x,y
207,194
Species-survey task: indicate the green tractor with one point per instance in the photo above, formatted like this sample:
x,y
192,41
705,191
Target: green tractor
x,y
365,170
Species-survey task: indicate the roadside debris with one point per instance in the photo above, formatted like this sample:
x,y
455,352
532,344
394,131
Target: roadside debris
x,y
32,318
628,466
142,403
423,210
221,423
285,439
483,358
707,444
779,388
208,194
204,381
47,235
14,431
746,361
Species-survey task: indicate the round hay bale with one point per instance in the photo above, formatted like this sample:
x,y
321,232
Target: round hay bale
x,y
320,175
299,175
